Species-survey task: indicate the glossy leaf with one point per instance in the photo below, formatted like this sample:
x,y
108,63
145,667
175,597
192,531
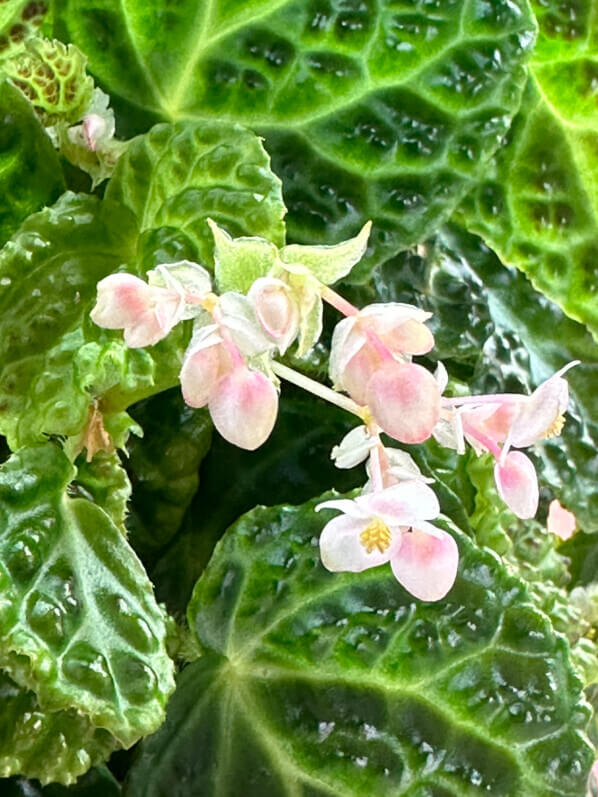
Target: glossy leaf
x,y
78,621
538,206
46,745
164,467
293,465
372,110
177,176
104,481
30,172
57,364
325,684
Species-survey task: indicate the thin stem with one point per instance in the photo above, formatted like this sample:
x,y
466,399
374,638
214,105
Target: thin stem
x,y
323,392
376,468
499,398
336,300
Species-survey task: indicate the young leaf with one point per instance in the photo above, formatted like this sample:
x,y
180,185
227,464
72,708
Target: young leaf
x,y
238,262
538,206
78,621
104,481
46,745
19,20
177,176
370,111
30,172
322,684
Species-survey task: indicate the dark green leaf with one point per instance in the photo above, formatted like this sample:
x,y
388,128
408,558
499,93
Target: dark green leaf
x,y
98,782
315,683
369,110
30,172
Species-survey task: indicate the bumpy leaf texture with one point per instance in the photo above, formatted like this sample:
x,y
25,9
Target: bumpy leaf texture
x,y
79,624
382,110
320,684
538,208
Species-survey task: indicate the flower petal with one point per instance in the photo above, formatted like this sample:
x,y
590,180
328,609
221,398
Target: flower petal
x,y
343,346
346,506
517,484
276,309
425,563
402,504
244,406
405,401
353,449
539,412
123,300
560,521
200,373
341,548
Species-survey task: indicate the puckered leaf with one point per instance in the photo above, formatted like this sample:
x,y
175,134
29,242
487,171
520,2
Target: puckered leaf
x,y
79,624
322,684
47,745
19,20
177,176
30,172
105,482
538,206
370,110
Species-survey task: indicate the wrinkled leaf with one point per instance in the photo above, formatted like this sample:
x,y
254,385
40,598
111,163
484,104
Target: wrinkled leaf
x,y
325,684
538,206
371,110
177,176
97,782
30,172
78,621
19,20
104,481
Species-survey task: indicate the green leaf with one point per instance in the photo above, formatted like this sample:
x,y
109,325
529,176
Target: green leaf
x,y
326,684
53,78
104,481
56,364
79,625
328,264
238,262
30,173
538,206
164,466
46,745
382,111
19,19
177,176
290,467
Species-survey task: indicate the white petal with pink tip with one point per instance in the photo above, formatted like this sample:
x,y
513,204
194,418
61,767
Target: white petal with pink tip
x,y
517,484
426,562
341,548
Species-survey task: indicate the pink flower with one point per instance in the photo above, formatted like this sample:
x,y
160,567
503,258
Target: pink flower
x,y
370,359
560,521
276,309
391,525
145,313
502,422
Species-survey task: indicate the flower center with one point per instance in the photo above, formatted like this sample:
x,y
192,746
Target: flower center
x,y
376,535
556,428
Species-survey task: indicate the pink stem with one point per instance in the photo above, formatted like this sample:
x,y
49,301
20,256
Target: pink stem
x,y
336,300
500,398
376,469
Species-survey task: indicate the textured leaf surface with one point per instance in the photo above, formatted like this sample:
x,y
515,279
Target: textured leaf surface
x,y
539,208
164,466
322,684
55,363
30,172
370,110
177,176
293,465
19,19
47,745
105,482
79,624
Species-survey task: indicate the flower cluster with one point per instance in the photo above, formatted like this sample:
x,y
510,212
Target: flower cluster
x,y
231,366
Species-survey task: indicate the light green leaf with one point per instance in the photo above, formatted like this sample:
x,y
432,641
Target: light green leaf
x,y
46,745
30,172
328,264
238,262
177,176
19,20
382,111
79,623
315,683
104,481
53,78
55,363
538,206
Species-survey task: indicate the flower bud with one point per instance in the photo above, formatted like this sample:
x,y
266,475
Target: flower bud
x,y
276,310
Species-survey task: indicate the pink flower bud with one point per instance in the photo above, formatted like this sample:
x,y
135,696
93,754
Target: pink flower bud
x,y
560,521
517,484
202,368
276,310
243,407
405,401
145,313
426,562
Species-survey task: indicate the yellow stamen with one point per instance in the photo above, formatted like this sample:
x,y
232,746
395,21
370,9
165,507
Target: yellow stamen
x,y
209,302
376,535
556,428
